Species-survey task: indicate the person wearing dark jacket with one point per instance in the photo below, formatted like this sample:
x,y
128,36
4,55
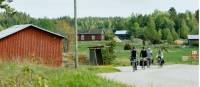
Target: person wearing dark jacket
x,y
143,55
133,58
133,53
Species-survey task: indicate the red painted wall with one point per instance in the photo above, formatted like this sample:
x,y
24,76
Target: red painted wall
x,y
32,44
88,37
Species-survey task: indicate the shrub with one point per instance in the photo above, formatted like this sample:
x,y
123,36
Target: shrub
x,y
195,43
108,53
127,46
82,58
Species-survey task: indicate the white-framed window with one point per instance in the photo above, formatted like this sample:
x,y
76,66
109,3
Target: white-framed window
x,y
82,37
93,37
102,37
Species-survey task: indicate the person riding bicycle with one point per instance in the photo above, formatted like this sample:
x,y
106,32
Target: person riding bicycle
x,y
160,57
133,58
143,55
149,57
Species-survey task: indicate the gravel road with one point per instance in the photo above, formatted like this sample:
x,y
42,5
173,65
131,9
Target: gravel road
x,y
168,76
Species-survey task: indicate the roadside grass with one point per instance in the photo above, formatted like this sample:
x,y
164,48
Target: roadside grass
x,y
173,56
27,75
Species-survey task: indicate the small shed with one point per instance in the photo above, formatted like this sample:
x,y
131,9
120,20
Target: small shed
x,y
193,39
31,43
122,34
95,55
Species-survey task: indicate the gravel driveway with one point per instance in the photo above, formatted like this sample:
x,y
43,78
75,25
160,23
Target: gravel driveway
x,y
167,76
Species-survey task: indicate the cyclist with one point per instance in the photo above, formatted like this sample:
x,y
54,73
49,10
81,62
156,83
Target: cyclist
x,y
149,57
133,58
160,57
143,55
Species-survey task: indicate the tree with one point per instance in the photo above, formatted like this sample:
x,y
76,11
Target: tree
x,y
1,28
150,32
64,26
169,36
184,30
165,33
109,34
174,34
8,10
135,29
160,34
197,15
173,13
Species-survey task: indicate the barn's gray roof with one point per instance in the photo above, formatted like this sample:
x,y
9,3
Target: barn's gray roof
x,y
16,28
193,36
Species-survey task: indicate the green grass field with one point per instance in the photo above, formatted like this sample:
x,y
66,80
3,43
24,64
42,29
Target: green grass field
x,y
173,56
23,75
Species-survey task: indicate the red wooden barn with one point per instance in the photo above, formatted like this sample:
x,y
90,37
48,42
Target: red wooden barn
x,y
32,43
91,35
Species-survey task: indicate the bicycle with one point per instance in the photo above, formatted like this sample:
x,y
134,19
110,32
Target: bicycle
x,y
143,62
160,61
134,64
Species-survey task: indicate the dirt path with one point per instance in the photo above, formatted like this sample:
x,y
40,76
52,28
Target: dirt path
x,y
168,76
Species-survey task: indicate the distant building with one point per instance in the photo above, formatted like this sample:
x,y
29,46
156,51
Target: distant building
x,y
31,43
91,35
193,39
122,34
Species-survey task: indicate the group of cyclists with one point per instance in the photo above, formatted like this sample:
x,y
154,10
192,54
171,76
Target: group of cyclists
x,y
146,58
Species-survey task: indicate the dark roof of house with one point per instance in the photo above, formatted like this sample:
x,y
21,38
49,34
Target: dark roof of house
x,y
91,31
16,28
193,36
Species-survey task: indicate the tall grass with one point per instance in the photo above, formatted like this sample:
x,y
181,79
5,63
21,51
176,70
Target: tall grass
x,y
26,75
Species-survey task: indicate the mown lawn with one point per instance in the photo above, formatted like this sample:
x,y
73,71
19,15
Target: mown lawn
x,y
26,75
173,56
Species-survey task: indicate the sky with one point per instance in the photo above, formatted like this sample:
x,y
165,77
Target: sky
x,y
99,8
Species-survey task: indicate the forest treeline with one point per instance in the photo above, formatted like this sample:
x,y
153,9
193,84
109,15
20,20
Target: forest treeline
x,y
160,25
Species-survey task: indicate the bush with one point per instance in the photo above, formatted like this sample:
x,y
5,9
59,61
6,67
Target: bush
x,y
195,43
82,58
127,46
108,53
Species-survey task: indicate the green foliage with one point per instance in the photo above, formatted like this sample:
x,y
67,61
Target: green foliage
x,y
197,15
21,75
135,29
184,30
169,38
25,78
174,34
109,34
8,10
150,32
1,28
195,43
139,25
173,13
109,53
127,46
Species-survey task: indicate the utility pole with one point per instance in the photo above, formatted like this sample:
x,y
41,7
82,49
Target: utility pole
x,y
76,39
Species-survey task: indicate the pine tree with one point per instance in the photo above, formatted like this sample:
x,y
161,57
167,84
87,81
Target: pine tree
x,y
169,37
184,30
174,34
173,13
